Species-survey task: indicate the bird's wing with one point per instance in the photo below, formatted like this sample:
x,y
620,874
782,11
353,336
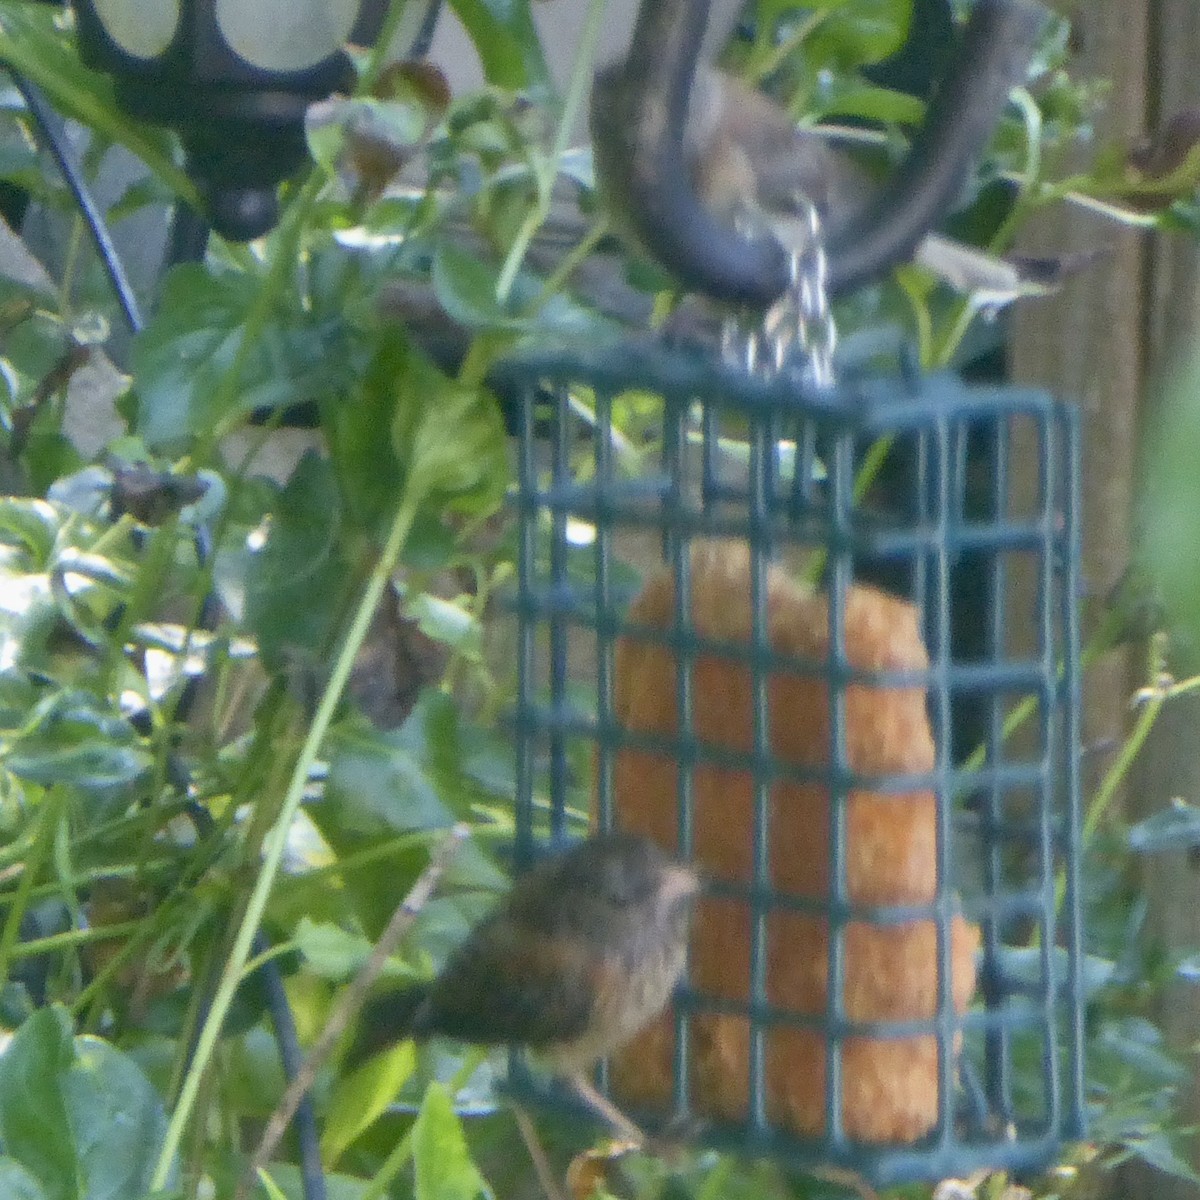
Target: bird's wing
x,y
509,985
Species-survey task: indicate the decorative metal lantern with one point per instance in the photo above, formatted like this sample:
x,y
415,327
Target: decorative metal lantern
x,y
234,79
885,971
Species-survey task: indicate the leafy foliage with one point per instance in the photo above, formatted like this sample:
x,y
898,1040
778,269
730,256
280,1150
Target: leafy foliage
x,y
176,629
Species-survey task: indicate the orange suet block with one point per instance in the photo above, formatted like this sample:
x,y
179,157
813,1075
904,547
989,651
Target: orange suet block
x,y
890,1088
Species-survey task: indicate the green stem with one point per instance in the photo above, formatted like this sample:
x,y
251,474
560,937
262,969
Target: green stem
x,y
48,818
64,870
116,532
565,269
1032,116
1156,697
15,853
381,47
83,879
398,1159
276,840
1100,643
778,55
576,92
872,464
276,951
68,270
401,844
74,937
965,312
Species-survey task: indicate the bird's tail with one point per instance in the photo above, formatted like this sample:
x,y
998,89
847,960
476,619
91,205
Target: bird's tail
x,y
386,1020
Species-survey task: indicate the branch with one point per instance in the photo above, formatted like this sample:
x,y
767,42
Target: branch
x,y
349,1003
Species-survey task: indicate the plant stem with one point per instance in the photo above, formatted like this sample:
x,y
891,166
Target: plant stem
x,y
70,260
965,311
351,1001
547,173
48,819
1098,645
383,44
276,839
778,55
559,276
74,937
400,844
872,464
1156,697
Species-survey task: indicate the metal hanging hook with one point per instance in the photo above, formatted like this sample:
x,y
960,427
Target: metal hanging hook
x,y
639,118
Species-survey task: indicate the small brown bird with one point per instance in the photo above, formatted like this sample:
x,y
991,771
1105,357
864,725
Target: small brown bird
x,y
580,956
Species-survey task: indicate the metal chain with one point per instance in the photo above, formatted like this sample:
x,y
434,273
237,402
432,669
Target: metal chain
x,y
816,333
797,332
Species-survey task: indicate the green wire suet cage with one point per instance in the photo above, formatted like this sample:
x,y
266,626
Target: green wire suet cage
x,y
631,461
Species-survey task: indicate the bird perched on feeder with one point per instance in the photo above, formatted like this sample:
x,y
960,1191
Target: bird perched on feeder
x,y
749,158
582,954
749,162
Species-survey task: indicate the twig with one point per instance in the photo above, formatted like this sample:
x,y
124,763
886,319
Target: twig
x,y
351,1001
537,1154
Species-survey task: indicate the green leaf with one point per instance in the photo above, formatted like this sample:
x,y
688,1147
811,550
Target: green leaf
x,y
254,1080
454,758
869,103
31,43
451,437
78,741
431,735
1135,1043
28,615
117,1118
273,1190
1159,1153
1024,965
35,1127
388,128
330,951
295,580
441,1161
368,468
16,1183
77,1115
1177,827
465,286
506,40
378,785
193,341
31,525
852,35
17,698
360,1098
89,765
446,621
286,1177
